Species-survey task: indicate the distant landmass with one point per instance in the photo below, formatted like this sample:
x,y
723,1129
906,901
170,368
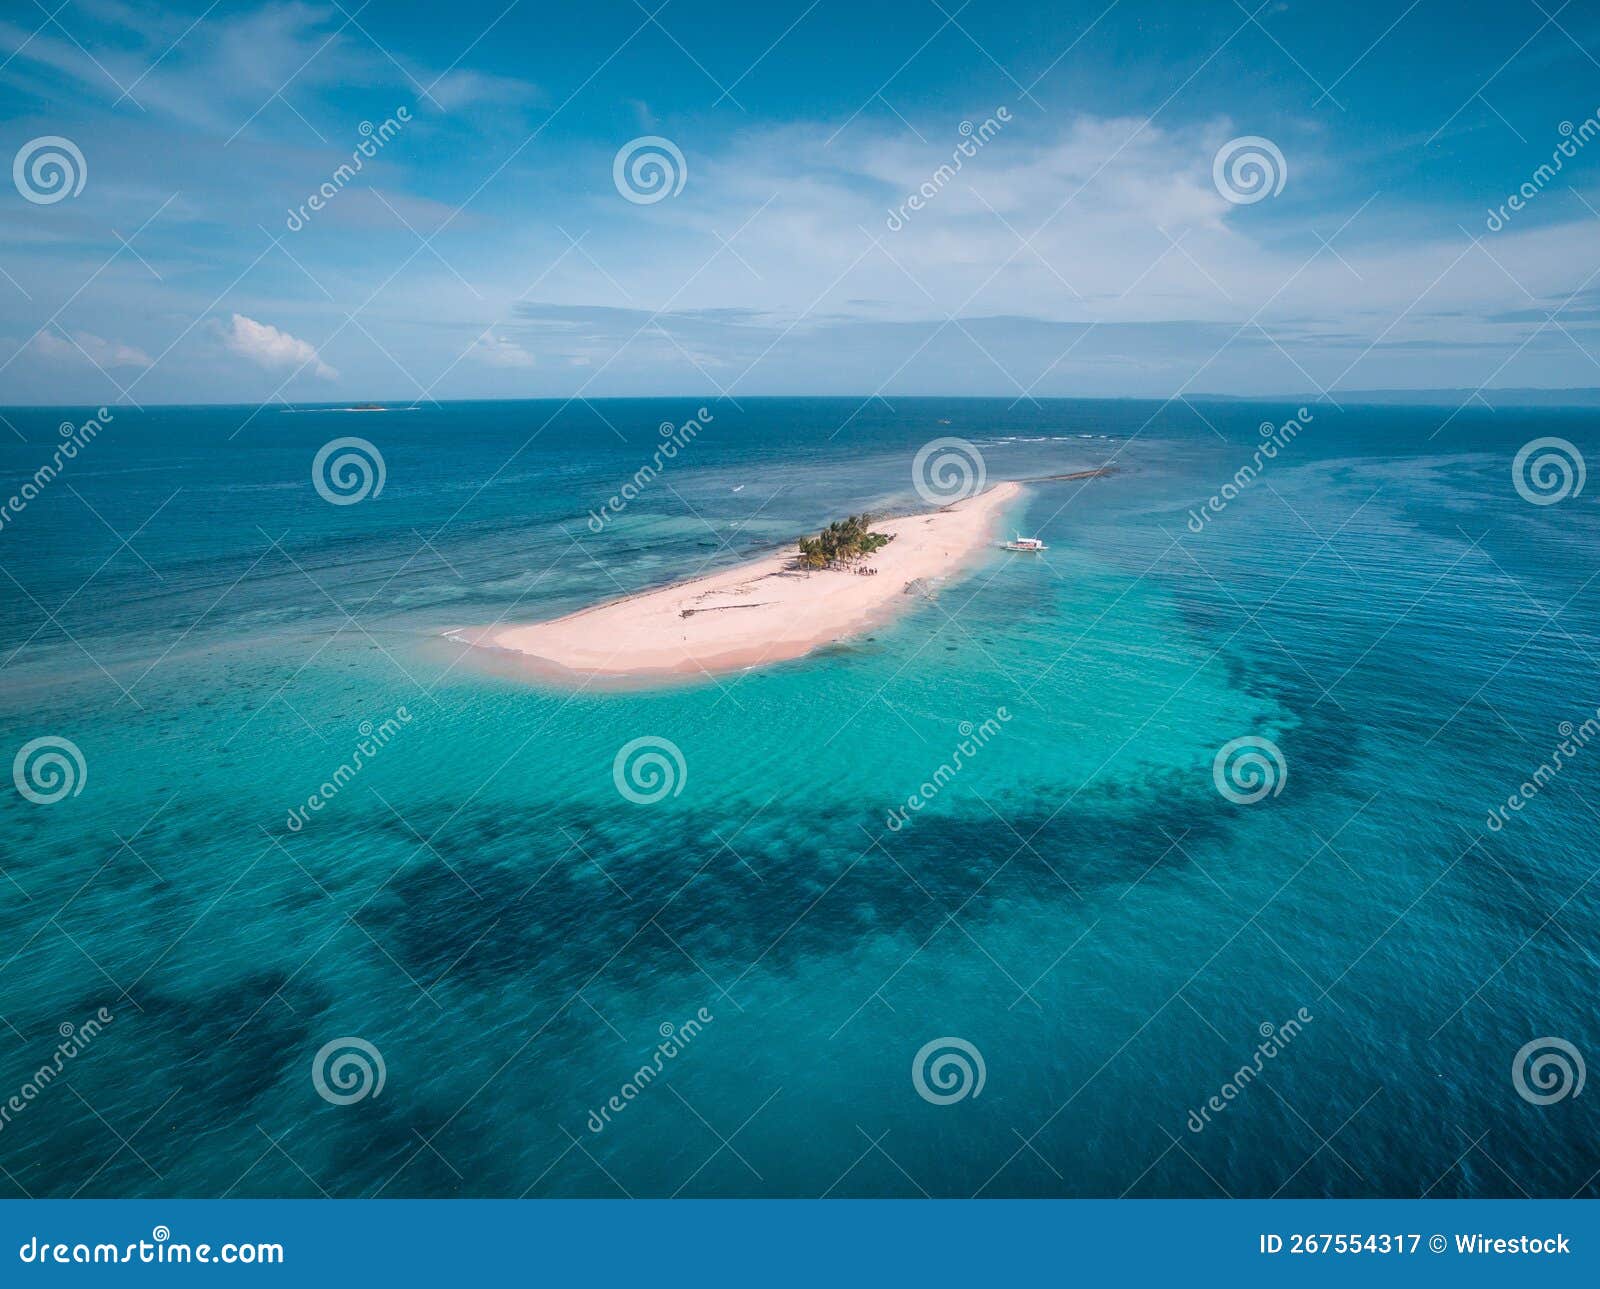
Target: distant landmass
x,y
1427,397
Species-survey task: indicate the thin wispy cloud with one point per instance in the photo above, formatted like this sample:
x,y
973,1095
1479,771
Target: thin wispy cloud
x,y
498,351
86,347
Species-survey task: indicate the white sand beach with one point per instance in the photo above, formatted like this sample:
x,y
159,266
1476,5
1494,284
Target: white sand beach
x,y
761,612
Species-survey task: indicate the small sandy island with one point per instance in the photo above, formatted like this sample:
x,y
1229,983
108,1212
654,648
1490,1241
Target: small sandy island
x,y
761,612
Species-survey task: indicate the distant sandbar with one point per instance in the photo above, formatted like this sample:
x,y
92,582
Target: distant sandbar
x,y
765,611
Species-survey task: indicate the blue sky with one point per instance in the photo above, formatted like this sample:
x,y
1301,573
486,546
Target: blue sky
x,y
484,249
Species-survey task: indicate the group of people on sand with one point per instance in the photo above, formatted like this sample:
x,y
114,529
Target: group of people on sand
x,y
865,572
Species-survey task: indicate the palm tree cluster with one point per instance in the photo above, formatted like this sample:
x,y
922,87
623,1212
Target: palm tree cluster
x,y
842,542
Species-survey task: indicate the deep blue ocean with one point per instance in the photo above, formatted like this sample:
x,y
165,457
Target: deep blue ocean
x,y
1114,939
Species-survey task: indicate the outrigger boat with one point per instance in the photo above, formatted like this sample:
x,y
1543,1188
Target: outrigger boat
x,y
1021,543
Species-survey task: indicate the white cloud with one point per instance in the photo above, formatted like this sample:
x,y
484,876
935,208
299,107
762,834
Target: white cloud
x,y
497,351
275,350
223,64
83,346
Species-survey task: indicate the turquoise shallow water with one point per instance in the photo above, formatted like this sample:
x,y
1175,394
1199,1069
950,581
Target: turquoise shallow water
x,y
1079,903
